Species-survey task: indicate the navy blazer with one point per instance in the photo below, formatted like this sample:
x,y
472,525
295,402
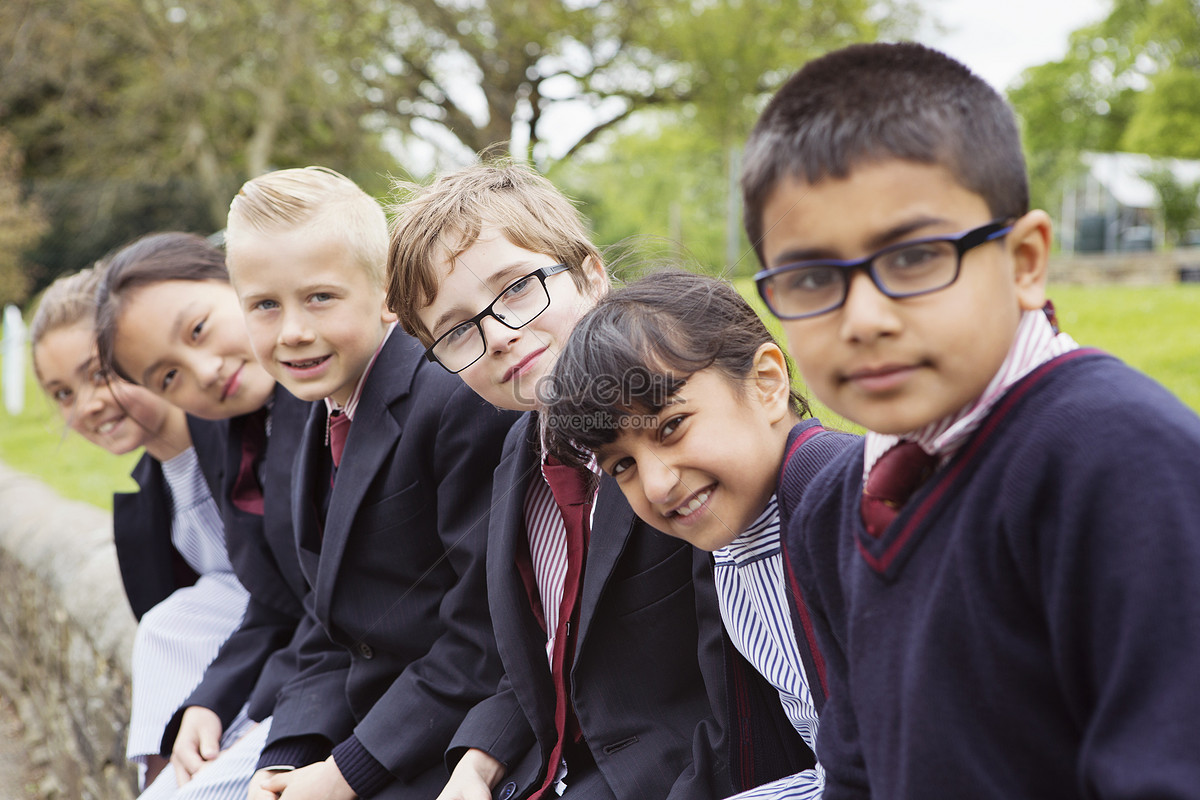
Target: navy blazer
x,y
648,622
151,567
398,566
260,655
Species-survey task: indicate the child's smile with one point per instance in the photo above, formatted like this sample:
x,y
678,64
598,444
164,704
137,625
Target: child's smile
x,y
186,341
514,359
703,468
103,409
315,315
895,365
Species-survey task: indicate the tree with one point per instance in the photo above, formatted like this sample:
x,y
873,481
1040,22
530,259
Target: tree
x,y
667,174
1130,82
21,223
1178,202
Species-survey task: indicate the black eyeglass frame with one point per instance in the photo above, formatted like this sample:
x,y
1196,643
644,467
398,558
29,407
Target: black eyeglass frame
x,y
541,273
964,241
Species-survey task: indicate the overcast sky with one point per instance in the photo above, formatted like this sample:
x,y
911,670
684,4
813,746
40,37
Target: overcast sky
x,y
1000,38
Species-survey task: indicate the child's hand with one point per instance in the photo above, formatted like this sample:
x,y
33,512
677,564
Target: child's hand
x,y
474,777
198,742
256,791
320,781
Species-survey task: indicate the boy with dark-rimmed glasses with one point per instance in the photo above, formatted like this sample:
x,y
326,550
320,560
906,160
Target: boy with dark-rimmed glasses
x,y
1002,578
609,631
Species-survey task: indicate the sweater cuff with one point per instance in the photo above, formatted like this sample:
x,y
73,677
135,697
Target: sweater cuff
x,y
295,751
366,776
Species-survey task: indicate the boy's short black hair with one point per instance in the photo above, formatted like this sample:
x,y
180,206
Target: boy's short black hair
x,y
871,102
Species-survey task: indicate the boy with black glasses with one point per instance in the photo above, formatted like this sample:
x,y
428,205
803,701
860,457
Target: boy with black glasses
x,y
1002,578
607,628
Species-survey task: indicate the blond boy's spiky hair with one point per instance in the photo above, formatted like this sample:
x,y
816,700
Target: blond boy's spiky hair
x,y
435,224
307,197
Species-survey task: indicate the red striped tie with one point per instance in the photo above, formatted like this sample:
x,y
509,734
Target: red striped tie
x,y
892,480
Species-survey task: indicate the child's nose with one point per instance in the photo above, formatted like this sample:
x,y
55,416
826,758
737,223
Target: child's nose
x,y
867,313
207,369
295,329
499,337
92,399
659,480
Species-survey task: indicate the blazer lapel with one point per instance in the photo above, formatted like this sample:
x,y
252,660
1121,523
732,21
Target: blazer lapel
x,y
372,438
305,515
612,525
519,637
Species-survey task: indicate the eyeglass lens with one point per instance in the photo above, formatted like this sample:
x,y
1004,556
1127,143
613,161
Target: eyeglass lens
x,y
916,269
515,307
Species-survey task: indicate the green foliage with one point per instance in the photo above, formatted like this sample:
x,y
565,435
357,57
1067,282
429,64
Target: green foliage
x,y
667,184
1167,116
1179,203
1130,82
21,223
36,442
667,175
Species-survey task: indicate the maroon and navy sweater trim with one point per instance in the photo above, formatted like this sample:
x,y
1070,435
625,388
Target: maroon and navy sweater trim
x,y
810,652
942,483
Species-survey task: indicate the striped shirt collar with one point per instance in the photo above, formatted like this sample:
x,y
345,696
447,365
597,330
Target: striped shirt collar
x,y
1035,343
352,404
760,539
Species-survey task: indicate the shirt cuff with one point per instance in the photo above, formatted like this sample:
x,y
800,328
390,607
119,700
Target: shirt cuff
x,y
366,776
295,751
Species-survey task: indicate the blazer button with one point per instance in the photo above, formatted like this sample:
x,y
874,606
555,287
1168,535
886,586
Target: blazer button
x,y
507,791
365,650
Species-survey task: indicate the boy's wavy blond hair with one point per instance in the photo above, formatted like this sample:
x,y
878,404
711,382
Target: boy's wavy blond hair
x,y
436,223
305,197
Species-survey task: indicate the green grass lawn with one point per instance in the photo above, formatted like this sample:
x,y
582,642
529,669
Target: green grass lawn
x,y
1153,328
37,442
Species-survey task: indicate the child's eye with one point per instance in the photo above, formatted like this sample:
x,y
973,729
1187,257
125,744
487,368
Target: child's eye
x,y
99,377
811,279
265,305
322,297
517,289
670,426
64,397
167,379
198,329
458,334
619,466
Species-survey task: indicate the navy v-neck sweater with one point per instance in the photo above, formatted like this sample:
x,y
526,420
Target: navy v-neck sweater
x,y
1029,625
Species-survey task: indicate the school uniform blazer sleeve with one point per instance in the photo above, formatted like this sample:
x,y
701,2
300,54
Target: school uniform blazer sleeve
x,y
811,539
497,725
708,774
311,707
151,568
461,438
258,657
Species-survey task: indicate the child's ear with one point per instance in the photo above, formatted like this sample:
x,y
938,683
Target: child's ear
x,y
386,314
771,384
597,277
1029,243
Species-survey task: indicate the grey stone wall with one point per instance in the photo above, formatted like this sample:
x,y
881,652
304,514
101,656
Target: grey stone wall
x,y
1126,268
66,634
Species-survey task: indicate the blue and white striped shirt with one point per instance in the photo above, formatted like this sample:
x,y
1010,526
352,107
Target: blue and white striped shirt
x,y
755,610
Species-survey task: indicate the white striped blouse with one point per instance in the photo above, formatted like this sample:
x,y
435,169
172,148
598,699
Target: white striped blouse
x,y
178,638
755,610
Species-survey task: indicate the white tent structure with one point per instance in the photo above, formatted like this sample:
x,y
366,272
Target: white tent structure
x,y
1113,202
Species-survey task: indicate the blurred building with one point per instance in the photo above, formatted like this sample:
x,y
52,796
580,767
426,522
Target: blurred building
x,y
1111,207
